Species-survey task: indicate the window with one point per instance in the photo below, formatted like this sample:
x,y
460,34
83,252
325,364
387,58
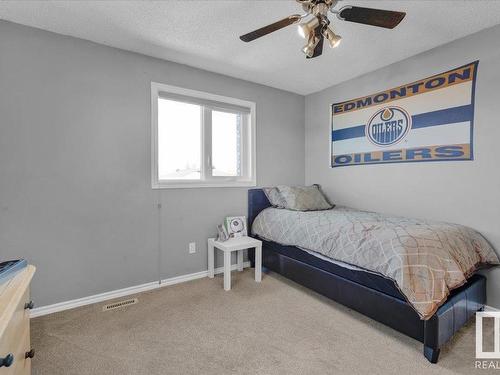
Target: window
x,y
201,139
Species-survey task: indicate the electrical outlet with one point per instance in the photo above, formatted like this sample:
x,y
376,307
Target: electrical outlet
x,y
192,247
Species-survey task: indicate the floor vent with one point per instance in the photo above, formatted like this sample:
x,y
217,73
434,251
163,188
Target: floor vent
x,y
118,305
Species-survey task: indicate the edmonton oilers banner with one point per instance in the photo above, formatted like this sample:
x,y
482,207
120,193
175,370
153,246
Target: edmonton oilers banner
x,y
427,120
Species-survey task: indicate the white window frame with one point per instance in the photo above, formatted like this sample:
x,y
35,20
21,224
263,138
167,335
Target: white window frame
x,y
249,178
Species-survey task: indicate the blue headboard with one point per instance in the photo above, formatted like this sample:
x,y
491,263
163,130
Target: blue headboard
x,y
257,201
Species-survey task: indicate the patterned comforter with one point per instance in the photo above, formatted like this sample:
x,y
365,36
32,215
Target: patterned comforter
x,y
425,259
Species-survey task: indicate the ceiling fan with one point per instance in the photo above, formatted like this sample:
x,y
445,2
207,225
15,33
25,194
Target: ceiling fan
x,y
316,29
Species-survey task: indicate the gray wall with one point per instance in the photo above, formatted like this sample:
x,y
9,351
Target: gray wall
x,y
462,192
75,190
75,193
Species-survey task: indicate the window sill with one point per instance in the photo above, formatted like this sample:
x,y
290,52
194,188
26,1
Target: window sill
x,y
193,185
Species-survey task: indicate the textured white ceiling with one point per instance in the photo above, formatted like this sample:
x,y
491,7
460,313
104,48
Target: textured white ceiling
x,y
204,34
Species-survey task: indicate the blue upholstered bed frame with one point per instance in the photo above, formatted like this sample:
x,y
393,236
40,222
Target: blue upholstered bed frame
x,y
460,306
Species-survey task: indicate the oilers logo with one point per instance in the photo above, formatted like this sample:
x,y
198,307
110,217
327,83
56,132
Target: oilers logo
x,y
388,126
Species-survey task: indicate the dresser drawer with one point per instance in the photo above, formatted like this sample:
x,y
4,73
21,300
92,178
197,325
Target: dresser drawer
x,y
16,339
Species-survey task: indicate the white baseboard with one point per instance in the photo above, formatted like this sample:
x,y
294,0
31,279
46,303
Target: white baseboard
x,y
66,305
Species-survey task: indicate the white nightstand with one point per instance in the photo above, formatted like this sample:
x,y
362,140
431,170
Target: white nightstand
x,y
234,244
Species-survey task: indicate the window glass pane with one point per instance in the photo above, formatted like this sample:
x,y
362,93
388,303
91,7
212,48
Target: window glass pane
x,y
226,144
179,140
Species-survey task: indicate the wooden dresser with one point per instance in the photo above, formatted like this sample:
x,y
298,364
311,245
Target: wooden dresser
x,y
15,305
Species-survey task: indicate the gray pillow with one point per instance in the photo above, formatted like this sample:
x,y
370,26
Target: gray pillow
x,y
274,197
304,198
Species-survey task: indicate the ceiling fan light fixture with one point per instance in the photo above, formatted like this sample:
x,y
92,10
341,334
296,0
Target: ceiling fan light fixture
x,y
311,45
333,39
307,28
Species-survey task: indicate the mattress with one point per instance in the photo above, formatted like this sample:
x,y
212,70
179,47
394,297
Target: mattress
x,y
355,274
424,259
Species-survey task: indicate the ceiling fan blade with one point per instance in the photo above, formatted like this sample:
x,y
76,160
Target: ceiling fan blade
x,y
271,28
374,17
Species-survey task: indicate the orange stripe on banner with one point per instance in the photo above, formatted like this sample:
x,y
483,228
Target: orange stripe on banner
x,y
427,153
439,81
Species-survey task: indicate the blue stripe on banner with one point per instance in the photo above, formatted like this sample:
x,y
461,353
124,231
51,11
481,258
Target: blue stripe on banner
x,y
441,117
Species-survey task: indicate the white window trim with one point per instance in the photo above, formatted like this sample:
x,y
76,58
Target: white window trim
x,y
156,88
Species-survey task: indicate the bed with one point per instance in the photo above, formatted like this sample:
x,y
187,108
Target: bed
x,y
370,293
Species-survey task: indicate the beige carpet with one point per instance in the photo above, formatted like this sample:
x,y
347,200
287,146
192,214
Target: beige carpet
x,y
275,327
